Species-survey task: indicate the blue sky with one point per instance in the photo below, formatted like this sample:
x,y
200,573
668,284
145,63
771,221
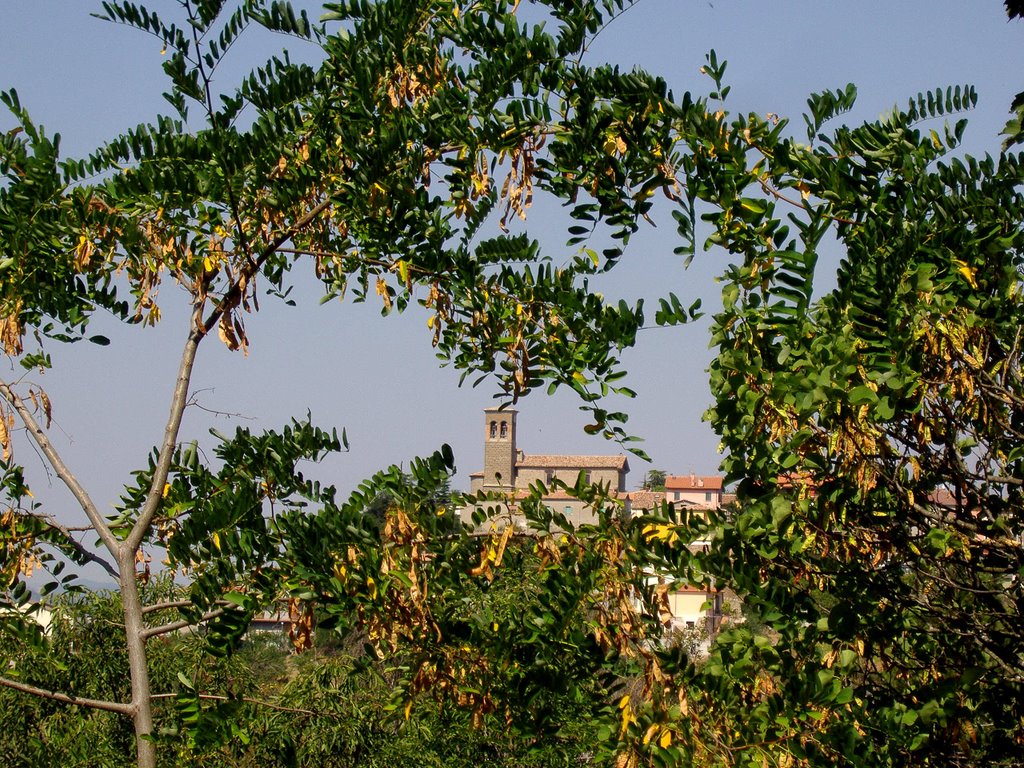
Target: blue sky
x,y
377,377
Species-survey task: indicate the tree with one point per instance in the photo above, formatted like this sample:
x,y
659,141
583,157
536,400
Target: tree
x,y
872,433
654,480
376,168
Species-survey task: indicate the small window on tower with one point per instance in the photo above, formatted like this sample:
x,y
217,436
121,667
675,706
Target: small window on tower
x,y
494,429
504,429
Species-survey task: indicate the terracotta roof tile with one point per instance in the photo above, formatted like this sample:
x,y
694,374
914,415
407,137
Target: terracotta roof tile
x,y
942,498
693,483
559,495
645,499
573,462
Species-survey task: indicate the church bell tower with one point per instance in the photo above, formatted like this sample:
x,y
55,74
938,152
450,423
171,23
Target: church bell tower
x,y
499,449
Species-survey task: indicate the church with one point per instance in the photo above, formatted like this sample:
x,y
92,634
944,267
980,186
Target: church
x,y
509,470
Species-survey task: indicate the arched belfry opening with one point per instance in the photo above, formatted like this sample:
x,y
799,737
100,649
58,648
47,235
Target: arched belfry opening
x,y
499,448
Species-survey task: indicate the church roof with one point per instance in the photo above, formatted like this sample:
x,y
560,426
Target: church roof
x,y
551,461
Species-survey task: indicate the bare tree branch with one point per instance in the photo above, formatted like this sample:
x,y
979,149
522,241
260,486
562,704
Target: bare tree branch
x,y
65,474
108,706
173,626
169,604
234,294
80,549
247,700
166,453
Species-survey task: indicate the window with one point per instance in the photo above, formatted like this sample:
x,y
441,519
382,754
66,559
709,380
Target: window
x,y
677,494
494,429
707,496
568,510
504,430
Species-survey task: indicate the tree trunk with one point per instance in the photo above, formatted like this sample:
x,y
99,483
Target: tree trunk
x,y
142,704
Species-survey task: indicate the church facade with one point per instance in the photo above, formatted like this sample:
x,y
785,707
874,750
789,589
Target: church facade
x,y
510,471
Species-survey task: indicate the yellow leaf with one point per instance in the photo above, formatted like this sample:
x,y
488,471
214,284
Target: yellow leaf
x,y
216,540
627,715
966,271
167,487
403,270
666,738
650,734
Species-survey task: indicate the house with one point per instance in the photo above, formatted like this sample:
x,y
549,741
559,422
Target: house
x,y
510,471
691,607
699,491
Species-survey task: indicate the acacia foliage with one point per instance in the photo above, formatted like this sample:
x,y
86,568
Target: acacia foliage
x,y
265,705
398,168
872,432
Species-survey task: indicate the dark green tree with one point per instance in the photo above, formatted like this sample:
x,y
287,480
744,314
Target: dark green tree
x,y
872,433
654,480
391,169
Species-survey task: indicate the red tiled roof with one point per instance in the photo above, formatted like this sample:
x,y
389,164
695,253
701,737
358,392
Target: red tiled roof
x,y
645,499
559,495
942,498
693,483
573,462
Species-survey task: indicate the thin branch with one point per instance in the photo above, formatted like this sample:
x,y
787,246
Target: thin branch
x,y
247,700
168,605
179,400
163,465
165,606
234,294
174,626
81,550
107,706
771,190
1004,480
65,474
193,402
